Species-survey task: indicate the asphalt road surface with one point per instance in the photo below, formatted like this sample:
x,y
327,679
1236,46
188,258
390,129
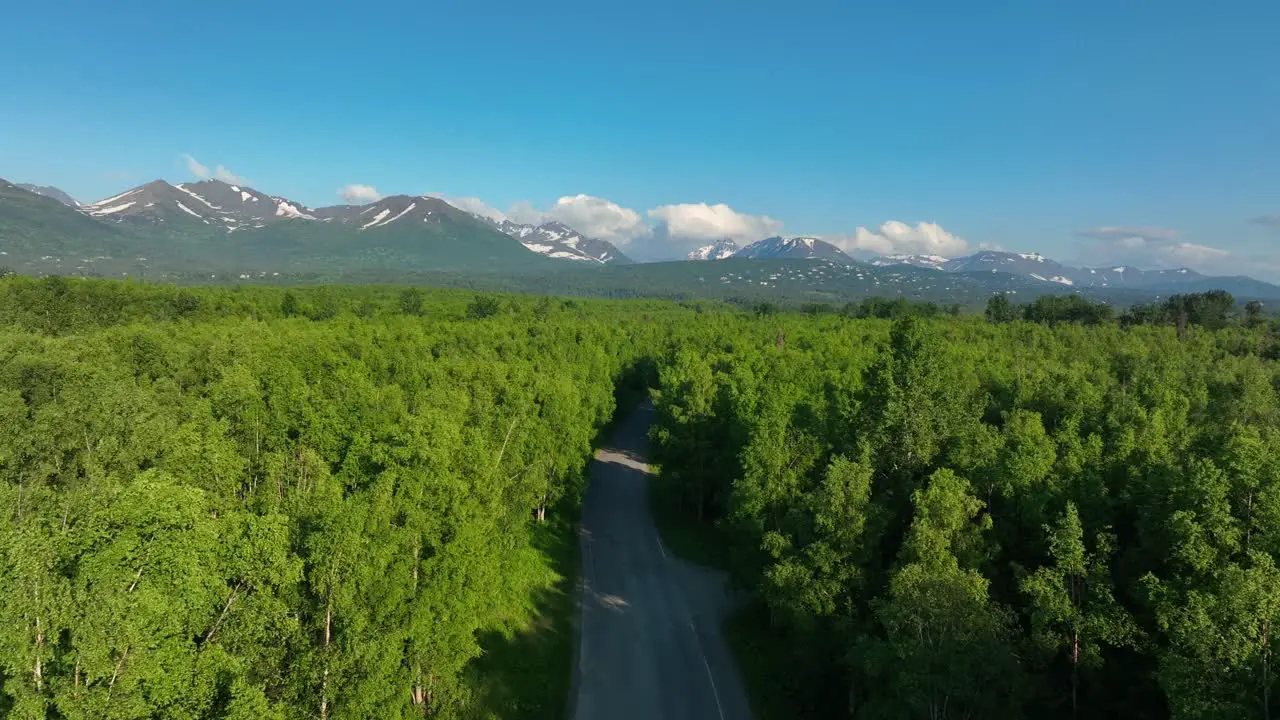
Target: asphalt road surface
x,y
650,646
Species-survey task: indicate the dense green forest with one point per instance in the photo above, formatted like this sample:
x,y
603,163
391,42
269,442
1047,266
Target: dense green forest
x,y
311,504
331,502
973,518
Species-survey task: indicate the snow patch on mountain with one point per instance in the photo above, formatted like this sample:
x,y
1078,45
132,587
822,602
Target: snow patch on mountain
x,y
113,209
285,209
557,240
716,251
376,219
796,248
197,197
113,198
189,211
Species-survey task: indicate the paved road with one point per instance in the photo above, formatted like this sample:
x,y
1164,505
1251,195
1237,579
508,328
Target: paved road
x,y
650,645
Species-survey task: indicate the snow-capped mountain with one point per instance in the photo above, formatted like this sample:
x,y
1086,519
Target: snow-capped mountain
x,y
718,250
932,262
395,210
557,240
211,202
1042,269
796,248
51,192
229,207
1128,276
997,261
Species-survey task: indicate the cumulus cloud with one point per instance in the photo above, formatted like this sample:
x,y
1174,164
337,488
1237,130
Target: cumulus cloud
x,y
359,194
592,216
700,221
473,205
195,167
226,176
477,206
220,172
595,217
898,238
1152,247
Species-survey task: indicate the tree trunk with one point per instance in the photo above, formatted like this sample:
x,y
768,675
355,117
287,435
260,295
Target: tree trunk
x,y
419,694
417,560
1248,522
37,673
111,686
1266,670
1075,671
324,682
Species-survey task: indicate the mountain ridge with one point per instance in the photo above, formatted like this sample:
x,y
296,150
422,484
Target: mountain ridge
x,y
51,192
557,240
718,250
216,226
793,248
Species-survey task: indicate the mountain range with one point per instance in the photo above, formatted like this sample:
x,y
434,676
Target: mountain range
x,y
227,230
218,226
1031,266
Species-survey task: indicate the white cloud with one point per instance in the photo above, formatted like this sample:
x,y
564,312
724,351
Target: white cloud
x,y
359,194
1185,253
1151,247
899,238
595,217
226,176
591,216
195,167
700,221
477,206
473,205
200,170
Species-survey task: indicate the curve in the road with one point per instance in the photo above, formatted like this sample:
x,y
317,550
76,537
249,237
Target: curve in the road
x,y
650,646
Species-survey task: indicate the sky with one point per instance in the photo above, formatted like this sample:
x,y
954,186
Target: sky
x,y
1144,133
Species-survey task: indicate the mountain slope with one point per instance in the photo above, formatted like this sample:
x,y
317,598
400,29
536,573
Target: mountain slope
x,y
51,192
557,240
34,226
154,202
719,250
1016,263
213,203
217,227
398,232
931,262
797,248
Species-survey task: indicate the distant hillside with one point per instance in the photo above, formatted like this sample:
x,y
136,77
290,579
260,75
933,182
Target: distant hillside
x,y
162,230
51,192
39,231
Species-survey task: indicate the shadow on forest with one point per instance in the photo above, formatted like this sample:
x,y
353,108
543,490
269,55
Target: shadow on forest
x,y
526,672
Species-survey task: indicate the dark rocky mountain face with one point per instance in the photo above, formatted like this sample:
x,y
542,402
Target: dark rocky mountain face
x,y
796,248
212,203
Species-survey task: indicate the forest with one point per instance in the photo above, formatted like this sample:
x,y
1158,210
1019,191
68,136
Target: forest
x,y
324,502
1044,512
269,504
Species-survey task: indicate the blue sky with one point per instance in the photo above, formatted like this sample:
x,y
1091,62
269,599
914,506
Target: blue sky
x,y
1144,132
